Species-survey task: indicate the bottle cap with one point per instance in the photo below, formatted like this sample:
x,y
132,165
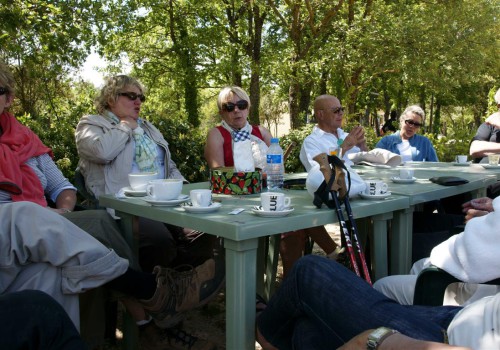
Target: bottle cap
x,y
275,140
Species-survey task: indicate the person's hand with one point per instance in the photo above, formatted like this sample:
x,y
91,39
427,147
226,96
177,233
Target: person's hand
x,y
494,120
59,211
130,122
477,207
473,213
482,204
358,342
356,137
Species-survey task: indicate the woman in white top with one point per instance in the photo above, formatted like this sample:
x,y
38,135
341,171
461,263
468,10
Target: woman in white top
x,y
406,141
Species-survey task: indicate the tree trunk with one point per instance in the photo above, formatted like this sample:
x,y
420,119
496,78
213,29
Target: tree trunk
x,y
254,47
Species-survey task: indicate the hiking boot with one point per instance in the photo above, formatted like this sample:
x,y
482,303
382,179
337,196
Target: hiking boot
x,y
152,337
182,289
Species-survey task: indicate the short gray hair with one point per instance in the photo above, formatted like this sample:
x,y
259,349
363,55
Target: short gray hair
x,y
413,109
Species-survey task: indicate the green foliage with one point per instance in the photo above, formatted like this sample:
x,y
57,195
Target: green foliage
x,y
447,148
296,136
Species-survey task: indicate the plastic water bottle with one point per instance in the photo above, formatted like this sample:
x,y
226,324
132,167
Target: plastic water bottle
x,y
275,168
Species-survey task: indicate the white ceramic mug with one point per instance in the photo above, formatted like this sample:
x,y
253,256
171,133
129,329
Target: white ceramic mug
x,y
164,189
375,187
274,201
406,174
461,159
493,159
139,181
201,198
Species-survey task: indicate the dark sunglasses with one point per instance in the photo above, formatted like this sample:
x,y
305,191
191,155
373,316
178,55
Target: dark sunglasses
x,y
412,123
3,91
132,96
337,110
229,106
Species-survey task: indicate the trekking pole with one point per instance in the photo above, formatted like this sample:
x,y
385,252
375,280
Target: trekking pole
x,y
354,234
337,170
325,168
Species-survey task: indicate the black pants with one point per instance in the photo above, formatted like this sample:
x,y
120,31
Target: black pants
x,y
33,320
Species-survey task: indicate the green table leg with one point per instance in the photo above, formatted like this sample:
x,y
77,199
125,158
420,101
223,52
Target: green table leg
x,y
240,293
401,242
379,260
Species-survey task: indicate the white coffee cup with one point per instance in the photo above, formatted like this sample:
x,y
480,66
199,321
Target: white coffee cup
x,y
461,159
406,174
164,189
139,181
274,201
201,198
375,187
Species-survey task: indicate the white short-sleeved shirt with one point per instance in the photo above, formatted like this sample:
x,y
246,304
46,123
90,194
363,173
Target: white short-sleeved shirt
x,y
319,142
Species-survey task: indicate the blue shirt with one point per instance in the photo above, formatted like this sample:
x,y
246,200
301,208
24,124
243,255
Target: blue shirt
x,y
421,147
51,178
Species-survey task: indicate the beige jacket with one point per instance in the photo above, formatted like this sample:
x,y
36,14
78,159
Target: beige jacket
x,y
106,151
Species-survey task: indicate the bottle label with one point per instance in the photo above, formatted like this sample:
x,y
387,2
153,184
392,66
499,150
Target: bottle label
x,y
274,159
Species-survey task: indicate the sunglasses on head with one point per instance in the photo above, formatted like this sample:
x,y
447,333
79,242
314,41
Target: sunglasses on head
x,y
229,106
132,96
412,123
3,91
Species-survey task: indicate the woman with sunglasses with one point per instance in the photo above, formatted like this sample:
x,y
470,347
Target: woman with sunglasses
x,y
233,103
116,142
406,142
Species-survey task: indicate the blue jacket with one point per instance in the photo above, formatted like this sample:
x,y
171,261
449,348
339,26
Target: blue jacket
x,y
422,149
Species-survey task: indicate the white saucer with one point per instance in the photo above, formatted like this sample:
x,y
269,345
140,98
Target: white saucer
x,y
260,212
461,164
398,180
212,207
377,196
488,166
128,191
166,203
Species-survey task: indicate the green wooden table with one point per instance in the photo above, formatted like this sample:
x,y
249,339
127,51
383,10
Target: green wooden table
x,y
421,191
241,239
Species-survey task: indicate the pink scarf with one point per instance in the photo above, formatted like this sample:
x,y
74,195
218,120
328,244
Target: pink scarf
x,y
18,144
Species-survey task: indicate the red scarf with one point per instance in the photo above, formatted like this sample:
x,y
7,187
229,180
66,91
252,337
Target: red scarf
x,y
18,144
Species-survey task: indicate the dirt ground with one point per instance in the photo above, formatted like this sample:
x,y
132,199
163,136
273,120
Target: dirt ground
x,y
209,322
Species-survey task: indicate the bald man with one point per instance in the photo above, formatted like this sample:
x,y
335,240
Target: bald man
x,y
328,134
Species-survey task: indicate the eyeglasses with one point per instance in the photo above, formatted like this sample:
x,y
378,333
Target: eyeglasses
x,y
132,96
3,91
229,106
337,110
412,123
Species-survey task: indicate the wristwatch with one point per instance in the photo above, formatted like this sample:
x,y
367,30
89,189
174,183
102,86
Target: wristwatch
x,y
376,337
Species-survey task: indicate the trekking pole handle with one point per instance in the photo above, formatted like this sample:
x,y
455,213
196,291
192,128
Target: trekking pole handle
x,y
324,166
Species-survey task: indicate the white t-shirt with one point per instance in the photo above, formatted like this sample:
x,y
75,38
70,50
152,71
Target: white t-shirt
x,y
320,142
477,325
405,151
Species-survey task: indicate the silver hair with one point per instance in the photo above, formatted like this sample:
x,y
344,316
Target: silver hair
x,y
414,109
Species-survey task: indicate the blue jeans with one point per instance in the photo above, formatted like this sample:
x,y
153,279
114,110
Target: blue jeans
x,y
322,305
33,320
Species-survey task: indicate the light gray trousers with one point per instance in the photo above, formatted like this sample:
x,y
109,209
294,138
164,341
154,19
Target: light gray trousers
x,y
42,250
